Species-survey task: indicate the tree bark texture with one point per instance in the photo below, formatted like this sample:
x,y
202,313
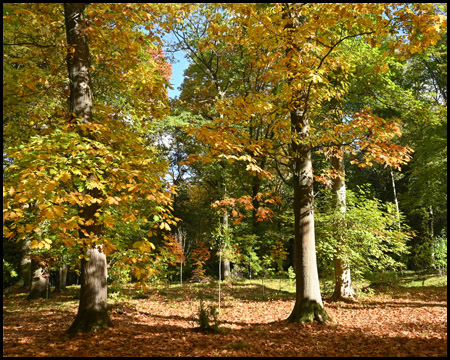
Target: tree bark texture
x,y
39,280
308,305
308,301
92,310
25,266
343,288
61,278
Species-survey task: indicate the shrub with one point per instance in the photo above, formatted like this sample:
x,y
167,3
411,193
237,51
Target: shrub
x,y
208,317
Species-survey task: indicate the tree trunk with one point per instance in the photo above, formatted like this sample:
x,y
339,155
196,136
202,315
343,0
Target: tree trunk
x,y
25,266
61,278
39,280
308,303
226,260
343,288
181,273
226,268
92,310
397,208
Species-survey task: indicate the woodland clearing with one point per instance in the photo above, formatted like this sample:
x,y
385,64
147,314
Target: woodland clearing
x,y
394,320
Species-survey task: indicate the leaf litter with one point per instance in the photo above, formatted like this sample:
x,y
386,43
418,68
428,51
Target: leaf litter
x,y
395,324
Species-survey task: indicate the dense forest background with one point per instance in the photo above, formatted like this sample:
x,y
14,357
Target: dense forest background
x,y
202,186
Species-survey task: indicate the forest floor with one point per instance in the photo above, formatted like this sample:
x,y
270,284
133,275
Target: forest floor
x,y
394,320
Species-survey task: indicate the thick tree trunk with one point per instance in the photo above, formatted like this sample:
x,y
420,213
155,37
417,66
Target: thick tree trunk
x,y
92,310
308,303
343,288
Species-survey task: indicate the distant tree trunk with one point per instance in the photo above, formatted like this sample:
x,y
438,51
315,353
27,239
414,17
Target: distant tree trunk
x,y
61,278
92,310
431,221
308,302
39,280
430,212
25,266
226,260
343,288
181,273
226,268
181,239
256,186
397,208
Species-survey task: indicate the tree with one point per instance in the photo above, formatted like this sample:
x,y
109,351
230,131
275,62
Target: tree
x,y
366,237
39,278
92,310
299,44
71,173
376,140
421,195
217,73
343,282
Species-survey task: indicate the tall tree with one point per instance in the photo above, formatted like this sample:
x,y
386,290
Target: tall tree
x,y
422,189
299,44
78,167
221,71
92,310
343,281
347,142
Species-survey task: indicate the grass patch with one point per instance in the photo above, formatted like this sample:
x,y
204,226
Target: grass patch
x,y
428,280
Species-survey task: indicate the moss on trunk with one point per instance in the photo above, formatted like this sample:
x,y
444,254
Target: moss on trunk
x,y
308,311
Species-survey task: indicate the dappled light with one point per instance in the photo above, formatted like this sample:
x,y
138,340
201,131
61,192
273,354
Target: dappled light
x,y
402,323
290,200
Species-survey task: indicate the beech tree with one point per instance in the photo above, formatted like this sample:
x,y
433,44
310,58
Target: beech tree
x,y
83,91
225,72
95,153
92,310
375,143
299,44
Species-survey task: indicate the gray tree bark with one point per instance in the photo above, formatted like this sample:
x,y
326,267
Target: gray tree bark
x,y
61,278
39,280
25,266
226,261
343,288
92,311
308,302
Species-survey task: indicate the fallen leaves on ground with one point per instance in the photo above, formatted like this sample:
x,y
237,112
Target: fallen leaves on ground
x,y
412,323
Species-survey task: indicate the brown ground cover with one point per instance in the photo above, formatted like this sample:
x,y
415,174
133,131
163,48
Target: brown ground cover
x,y
393,322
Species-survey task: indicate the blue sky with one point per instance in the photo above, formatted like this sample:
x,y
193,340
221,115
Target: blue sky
x,y
177,73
